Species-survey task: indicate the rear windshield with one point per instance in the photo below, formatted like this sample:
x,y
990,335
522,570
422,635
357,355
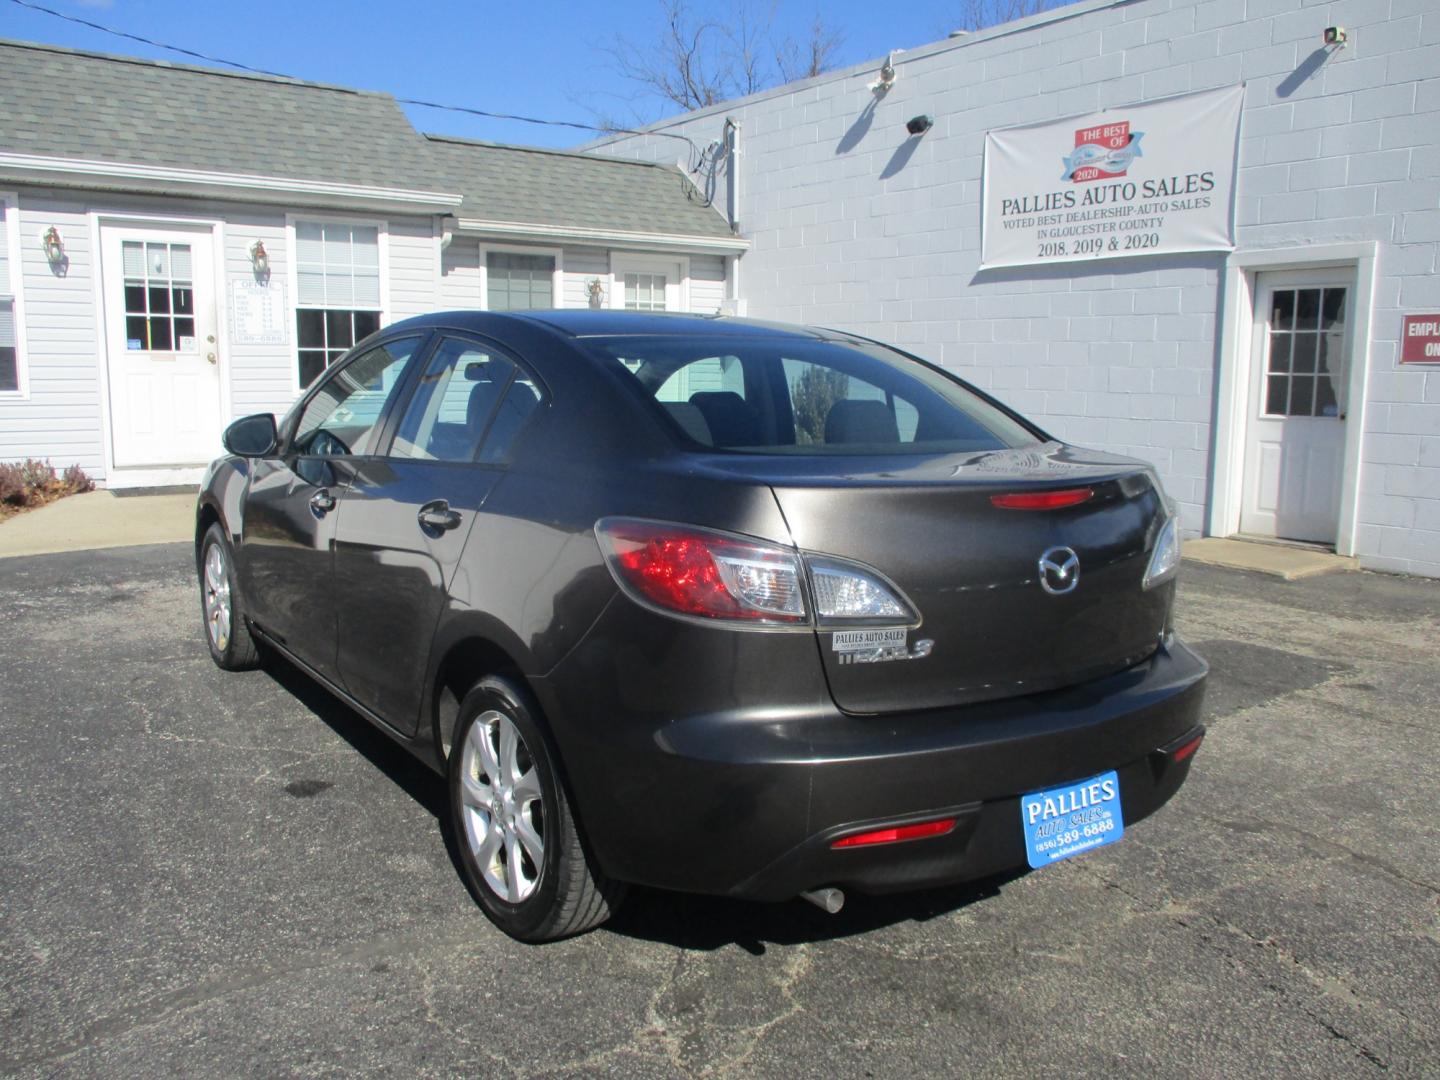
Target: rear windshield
x,y
795,396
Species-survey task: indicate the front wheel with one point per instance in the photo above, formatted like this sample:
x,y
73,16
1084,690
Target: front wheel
x,y
231,646
523,856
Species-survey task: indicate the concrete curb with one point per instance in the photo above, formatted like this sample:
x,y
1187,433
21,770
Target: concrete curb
x,y
99,519
1277,560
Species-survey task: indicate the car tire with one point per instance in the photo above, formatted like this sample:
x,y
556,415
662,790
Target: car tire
x,y
518,840
222,611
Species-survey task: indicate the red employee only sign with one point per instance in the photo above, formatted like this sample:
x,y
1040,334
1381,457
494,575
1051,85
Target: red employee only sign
x,y
1420,339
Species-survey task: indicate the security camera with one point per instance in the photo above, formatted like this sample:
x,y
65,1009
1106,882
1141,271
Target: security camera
x,y
1335,35
918,125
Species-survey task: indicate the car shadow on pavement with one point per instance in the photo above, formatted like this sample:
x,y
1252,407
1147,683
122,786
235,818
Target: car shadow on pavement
x,y
707,923
683,920
409,774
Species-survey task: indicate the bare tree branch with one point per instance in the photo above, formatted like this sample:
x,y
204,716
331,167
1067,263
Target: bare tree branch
x,y
715,50
979,14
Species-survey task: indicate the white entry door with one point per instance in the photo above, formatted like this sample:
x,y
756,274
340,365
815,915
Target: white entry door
x,y
1295,441
161,354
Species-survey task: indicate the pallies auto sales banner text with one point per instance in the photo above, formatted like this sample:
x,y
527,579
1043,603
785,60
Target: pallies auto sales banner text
x,y
1141,180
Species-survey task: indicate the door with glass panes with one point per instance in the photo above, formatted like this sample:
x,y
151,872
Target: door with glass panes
x,y
1295,433
162,353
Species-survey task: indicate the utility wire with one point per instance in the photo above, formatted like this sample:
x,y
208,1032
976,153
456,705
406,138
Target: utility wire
x,y
147,41
698,154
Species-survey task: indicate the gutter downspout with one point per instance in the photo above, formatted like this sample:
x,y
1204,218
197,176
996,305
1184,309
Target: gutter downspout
x,y
732,210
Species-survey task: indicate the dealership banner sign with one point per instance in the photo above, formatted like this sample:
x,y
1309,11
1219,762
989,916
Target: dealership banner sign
x,y
1144,180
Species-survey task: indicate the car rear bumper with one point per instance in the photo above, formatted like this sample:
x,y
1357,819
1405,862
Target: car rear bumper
x,y
748,802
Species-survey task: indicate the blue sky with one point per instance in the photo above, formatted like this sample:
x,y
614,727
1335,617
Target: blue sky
x,y
542,58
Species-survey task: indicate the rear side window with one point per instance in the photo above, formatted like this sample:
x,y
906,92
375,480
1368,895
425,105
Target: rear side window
x,y
784,395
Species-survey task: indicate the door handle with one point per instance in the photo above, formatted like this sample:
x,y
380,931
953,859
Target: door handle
x,y
437,516
322,502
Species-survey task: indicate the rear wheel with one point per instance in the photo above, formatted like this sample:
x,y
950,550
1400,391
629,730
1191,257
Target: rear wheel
x,y
231,646
522,853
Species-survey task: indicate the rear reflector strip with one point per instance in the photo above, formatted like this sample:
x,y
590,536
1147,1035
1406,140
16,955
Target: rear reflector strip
x,y
897,834
1043,500
1185,751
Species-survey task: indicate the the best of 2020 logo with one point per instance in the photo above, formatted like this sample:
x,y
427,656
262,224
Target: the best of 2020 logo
x,y
1103,152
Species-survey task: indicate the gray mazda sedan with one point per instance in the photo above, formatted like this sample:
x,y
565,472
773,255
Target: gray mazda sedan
x,y
711,605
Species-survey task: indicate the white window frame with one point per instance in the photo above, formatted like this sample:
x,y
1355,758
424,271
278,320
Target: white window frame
x,y
13,247
557,279
292,275
622,263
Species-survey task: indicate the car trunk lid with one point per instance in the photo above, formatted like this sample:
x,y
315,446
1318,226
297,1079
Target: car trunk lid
x,y
972,570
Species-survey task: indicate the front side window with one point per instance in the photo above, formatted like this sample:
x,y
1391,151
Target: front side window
x,y
783,395
519,282
337,303
344,415
470,405
9,356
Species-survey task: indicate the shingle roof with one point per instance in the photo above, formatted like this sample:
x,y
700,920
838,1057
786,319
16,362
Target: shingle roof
x,y
587,191
62,103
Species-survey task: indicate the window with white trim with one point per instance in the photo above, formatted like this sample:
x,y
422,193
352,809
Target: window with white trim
x,y
644,292
9,344
515,282
337,291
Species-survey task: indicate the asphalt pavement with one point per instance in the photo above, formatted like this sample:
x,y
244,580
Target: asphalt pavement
x,y
205,874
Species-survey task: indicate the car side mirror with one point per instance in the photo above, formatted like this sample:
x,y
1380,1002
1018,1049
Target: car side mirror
x,y
251,436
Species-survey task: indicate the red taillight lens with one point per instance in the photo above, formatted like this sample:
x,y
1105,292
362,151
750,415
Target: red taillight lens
x,y
1185,751
706,574
1043,500
897,834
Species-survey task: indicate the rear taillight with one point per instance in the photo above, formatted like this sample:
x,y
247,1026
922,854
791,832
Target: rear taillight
x,y
706,574
897,834
1043,500
848,593
1165,557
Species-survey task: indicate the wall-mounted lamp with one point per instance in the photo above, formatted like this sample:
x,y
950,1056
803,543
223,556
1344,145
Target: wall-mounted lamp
x,y
1335,36
259,257
918,125
596,288
54,246
887,75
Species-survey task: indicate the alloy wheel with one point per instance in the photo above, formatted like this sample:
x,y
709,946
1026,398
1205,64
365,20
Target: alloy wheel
x,y
503,807
217,598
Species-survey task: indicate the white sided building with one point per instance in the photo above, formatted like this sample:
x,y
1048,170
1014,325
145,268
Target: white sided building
x,y
181,246
1194,231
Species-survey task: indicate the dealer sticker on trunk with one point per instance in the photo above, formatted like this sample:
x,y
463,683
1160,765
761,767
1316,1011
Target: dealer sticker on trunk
x,y
877,646
1064,821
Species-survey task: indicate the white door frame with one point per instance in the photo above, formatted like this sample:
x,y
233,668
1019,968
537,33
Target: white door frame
x,y
151,477
1232,389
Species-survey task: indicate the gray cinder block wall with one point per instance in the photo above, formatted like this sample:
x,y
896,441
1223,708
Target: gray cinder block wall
x,y
855,225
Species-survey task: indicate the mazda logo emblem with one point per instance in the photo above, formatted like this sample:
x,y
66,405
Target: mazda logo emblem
x,y
1059,571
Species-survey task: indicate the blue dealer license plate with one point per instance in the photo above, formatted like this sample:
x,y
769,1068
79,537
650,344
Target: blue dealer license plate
x,y
1067,820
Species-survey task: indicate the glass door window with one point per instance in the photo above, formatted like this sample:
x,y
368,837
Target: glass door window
x,y
159,297
645,292
1305,365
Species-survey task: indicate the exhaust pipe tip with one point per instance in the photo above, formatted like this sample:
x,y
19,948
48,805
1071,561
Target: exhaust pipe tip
x,y
828,900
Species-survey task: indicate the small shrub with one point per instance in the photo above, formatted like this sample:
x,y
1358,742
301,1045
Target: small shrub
x,y
30,483
39,475
12,484
76,481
